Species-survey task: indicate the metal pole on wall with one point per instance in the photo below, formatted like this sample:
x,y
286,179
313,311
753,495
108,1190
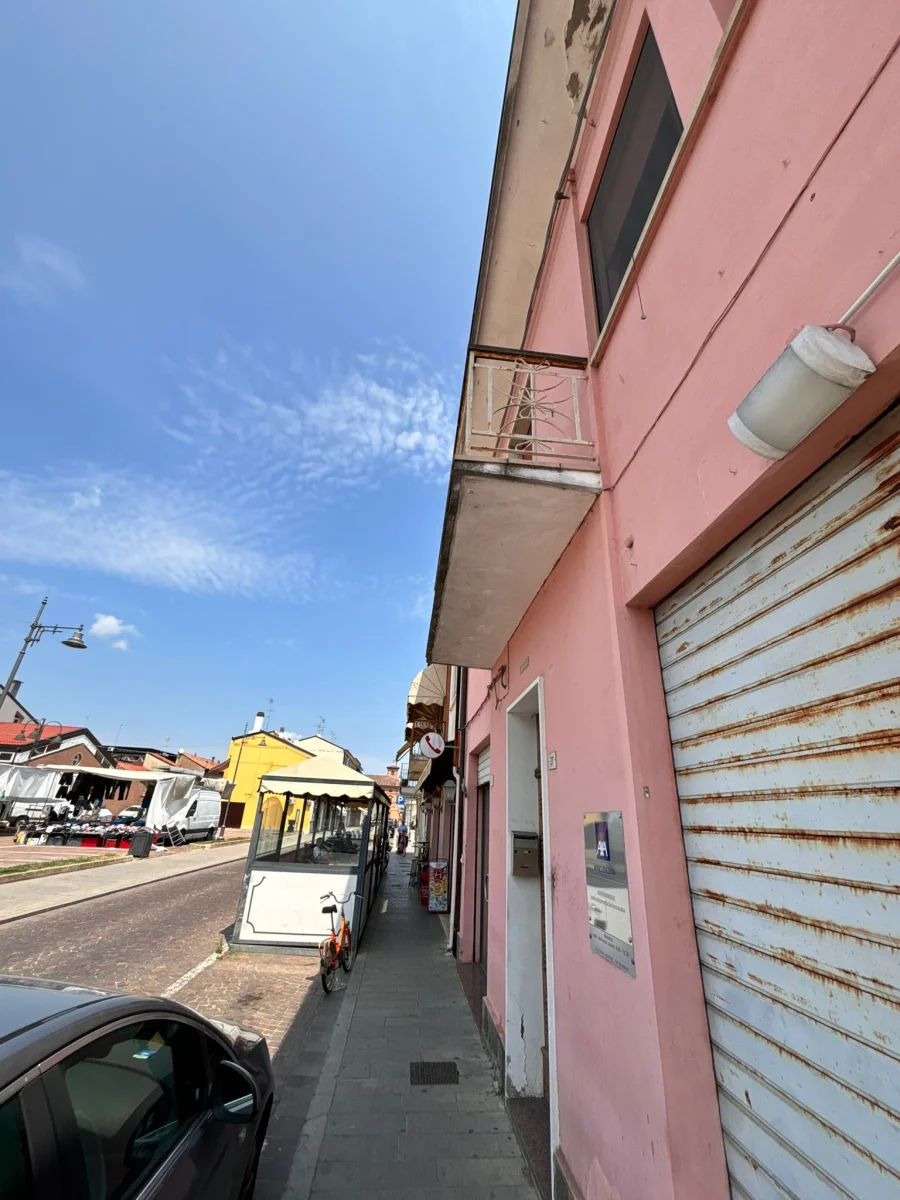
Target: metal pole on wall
x,y
233,782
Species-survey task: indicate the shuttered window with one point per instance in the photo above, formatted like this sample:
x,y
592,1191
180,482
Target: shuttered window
x,y
484,766
642,147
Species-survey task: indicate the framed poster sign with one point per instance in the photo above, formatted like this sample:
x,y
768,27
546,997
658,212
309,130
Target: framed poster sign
x,y
437,886
606,872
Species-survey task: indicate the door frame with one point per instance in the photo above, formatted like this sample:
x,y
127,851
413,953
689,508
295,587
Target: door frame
x,y
527,703
482,846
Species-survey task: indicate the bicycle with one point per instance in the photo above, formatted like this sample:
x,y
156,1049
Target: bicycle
x,y
338,947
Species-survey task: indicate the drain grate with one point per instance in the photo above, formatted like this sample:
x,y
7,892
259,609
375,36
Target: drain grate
x,y
433,1072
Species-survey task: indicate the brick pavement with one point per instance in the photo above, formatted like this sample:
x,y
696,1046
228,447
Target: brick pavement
x,y
367,1129
257,991
15,856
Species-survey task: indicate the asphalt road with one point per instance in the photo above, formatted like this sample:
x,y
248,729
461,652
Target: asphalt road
x,y
141,940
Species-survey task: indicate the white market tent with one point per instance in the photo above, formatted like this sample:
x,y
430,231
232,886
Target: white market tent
x,y
171,798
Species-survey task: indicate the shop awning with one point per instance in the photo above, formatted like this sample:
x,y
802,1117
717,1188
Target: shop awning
x,y
113,772
314,777
425,702
438,771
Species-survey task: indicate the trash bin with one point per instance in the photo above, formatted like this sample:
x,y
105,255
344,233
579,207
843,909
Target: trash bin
x,y
141,843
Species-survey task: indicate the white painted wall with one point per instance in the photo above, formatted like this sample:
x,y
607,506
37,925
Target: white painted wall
x,y
284,906
524,987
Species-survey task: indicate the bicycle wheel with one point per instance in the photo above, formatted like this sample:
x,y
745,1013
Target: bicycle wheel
x,y
326,968
347,953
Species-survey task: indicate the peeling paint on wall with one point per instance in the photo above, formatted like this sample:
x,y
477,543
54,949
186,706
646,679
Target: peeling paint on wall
x,y
582,38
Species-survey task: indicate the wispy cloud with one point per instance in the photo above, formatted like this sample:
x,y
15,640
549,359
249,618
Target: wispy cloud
x,y
90,499
144,529
40,272
16,585
120,644
419,600
302,426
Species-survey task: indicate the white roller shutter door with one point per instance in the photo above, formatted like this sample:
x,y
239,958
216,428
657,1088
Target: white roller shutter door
x,y
484,766
781,666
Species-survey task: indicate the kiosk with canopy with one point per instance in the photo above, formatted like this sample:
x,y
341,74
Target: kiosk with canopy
x,y
320,827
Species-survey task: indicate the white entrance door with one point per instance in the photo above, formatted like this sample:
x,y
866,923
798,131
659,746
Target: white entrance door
x,y
781,666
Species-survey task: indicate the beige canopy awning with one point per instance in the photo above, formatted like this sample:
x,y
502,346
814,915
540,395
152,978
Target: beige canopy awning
x,y
424,704
321,776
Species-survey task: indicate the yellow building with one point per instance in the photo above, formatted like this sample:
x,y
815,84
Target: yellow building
x,y
250,756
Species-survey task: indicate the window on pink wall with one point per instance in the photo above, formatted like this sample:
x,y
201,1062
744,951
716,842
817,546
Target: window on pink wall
x,y
642,147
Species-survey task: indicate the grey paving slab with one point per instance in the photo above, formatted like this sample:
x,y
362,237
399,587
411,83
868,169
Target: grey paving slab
x,y
443,1145
457,1122
369,1131
389,1125
482,1172
28,896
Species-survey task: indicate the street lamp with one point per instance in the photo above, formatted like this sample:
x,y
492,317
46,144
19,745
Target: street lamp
x,y
38,736
34,635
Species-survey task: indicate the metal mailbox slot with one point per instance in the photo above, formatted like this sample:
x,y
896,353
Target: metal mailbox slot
x,y
526,854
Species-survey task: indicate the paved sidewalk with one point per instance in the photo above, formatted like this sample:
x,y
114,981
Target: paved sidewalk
x,y
28,896
368,1131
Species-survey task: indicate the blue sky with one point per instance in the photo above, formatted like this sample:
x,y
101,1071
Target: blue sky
x,y
238,251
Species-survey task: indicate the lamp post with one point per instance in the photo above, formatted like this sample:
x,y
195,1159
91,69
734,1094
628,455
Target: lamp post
x,y
20,737
34,635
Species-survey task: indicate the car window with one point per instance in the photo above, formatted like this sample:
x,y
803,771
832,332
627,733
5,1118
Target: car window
x,y
134,1092
15,1164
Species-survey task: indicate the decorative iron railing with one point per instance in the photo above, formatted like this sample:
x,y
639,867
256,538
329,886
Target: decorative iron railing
x,y
522,407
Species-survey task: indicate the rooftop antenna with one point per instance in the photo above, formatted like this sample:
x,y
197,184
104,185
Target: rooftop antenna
x,y
271,704
320,726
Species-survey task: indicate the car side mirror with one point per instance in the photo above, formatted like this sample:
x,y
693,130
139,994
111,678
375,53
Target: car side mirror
x,y
235,1098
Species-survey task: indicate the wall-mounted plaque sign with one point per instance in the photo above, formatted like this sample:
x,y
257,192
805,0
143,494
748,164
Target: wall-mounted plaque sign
x,y
609,910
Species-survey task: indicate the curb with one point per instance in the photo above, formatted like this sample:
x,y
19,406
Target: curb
x,y
38,912
306,1157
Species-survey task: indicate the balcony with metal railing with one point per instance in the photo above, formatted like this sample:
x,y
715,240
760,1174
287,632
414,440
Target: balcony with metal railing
x,y
526,409
524,475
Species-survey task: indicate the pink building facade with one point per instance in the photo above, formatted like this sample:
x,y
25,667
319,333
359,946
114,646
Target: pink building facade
x,y
679,813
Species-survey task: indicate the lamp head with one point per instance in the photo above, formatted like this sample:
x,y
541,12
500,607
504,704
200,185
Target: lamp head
x,y
76,641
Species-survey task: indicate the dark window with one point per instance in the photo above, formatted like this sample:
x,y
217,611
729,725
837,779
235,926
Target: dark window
x,y
134,1093
642,148
15,1164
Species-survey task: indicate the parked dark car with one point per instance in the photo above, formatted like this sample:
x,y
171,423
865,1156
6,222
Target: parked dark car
x,y
105,1096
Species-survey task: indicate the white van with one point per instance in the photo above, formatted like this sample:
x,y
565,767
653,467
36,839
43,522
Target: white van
x,y
201,820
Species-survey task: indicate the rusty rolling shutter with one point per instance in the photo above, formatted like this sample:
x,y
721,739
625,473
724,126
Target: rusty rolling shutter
x,y
781,666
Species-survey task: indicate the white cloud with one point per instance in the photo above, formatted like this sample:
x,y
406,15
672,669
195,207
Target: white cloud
x,y
40,272
149,530
109,626
121,644
302,426
90,499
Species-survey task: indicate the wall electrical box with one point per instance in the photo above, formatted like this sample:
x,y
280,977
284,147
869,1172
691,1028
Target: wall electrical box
x,y
526,854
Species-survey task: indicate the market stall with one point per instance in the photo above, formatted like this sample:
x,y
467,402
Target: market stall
x,y
63,805
320,827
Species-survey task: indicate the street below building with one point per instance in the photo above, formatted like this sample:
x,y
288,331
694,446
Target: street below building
x,y
141,940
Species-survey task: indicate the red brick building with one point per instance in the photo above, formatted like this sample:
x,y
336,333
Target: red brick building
x,y
390,783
